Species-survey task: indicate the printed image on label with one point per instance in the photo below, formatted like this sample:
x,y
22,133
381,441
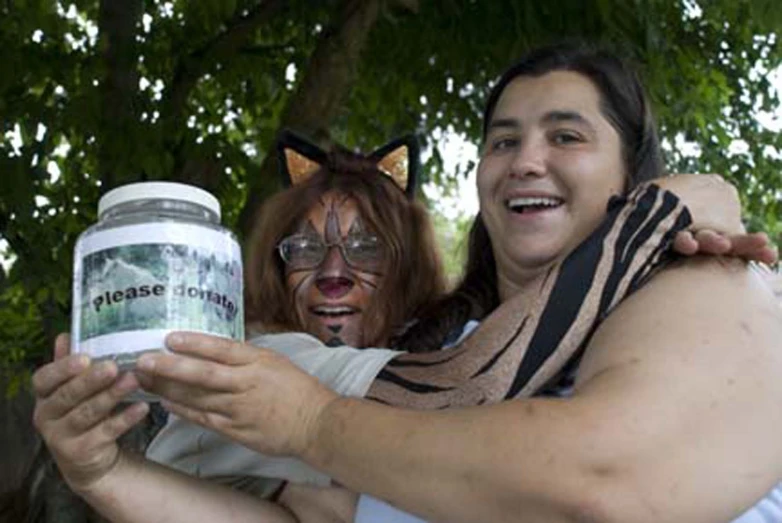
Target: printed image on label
x,y
138,287
134,293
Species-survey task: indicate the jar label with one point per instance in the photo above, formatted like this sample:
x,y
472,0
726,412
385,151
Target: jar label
x,y
135,284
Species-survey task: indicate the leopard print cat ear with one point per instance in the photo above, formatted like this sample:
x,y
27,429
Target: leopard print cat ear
x,y
299,159
400,159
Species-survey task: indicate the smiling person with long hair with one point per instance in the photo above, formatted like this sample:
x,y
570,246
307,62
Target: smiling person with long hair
x,y
567,402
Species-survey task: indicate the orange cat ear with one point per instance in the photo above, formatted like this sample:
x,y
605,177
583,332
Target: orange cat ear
x,y
400,160
298,158
299,167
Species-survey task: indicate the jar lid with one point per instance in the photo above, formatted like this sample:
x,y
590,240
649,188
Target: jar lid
x,y
158,191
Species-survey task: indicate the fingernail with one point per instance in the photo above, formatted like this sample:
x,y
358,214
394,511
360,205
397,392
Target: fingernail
x,y
80,363
127,382
175,339
104,368
146,362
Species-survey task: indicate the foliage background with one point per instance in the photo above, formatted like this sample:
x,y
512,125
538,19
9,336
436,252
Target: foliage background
x,y
98,93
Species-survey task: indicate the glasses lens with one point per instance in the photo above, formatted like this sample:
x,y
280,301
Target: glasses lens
x,y
364,251
302,252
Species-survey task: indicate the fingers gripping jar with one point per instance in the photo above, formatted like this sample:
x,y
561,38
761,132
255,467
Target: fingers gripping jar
x,y
157,261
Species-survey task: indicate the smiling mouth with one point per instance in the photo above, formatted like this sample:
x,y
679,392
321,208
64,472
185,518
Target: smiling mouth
x,y
333,311
533,204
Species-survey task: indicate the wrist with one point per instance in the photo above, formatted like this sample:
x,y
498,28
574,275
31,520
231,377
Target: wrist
x,y
322,428
103,488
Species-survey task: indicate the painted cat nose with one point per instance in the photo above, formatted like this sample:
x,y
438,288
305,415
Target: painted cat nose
x,y
333,264
334,288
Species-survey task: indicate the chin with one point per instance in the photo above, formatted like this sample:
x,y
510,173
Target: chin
x,y
539,256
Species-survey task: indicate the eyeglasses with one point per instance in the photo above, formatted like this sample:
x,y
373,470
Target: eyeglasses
x,y
303,251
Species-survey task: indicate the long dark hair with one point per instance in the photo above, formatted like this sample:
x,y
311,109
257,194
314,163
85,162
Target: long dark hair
x,y
624,104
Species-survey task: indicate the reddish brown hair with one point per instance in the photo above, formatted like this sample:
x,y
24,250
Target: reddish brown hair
x,y
413,277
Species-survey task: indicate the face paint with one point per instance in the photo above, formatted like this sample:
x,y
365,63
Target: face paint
x,y
332,277
306,249
335,342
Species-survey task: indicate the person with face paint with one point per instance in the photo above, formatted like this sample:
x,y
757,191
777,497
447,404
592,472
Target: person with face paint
x,y
349,235
378,449
346,231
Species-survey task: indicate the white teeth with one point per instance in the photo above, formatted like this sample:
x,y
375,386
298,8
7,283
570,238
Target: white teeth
x,y
335,310
537,201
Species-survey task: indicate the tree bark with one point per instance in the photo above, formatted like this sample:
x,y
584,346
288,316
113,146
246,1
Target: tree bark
x,y
117,22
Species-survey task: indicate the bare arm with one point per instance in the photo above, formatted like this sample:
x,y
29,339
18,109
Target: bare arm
x,y
76,415
140,491
676,418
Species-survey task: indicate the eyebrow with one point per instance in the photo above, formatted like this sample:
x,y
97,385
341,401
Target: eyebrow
x,y
503,123
567,116
549,117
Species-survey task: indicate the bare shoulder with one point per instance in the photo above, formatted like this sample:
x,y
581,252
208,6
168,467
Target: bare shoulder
x,y
704,311
685,377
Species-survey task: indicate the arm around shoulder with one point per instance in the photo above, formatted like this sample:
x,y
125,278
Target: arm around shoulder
x,y
685,374
673,419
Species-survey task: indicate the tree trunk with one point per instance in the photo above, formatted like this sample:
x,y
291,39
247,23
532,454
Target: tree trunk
x,y
318,98
117,22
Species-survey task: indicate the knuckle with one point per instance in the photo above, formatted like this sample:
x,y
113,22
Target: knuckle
x,y
66,396
71,448
207,374
42,379
38,381
114,427
87,413
39,419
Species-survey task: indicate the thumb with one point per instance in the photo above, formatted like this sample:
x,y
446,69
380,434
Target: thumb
x,y
62,346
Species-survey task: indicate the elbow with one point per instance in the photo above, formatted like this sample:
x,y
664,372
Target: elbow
x,y
605,492
571,495
609,494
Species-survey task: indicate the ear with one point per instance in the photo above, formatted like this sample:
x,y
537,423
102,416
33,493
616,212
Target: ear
x,y
400,159
298,158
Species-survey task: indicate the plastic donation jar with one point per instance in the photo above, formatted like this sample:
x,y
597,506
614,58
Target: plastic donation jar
x,y
157,261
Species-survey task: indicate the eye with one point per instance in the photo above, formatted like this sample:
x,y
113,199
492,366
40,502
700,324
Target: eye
x,y
565,137
363,248
504,143
301,247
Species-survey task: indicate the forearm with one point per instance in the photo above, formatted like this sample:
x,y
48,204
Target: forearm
x,y
498,461
140,491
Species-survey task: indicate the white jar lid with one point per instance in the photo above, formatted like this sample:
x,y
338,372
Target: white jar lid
x,y
158,191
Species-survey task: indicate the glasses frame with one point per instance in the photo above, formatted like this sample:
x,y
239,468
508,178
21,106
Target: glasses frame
x,y
327,246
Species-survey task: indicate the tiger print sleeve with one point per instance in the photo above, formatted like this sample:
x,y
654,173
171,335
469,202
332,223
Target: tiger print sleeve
x,y
522,345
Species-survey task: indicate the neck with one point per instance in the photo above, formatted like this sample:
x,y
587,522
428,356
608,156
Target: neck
x,y
523,284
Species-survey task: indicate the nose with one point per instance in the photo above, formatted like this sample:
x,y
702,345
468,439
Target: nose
x,y
333,278
529,160
334,288
333,264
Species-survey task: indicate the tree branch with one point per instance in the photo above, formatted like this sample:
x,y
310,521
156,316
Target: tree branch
x,y
221,48
318,98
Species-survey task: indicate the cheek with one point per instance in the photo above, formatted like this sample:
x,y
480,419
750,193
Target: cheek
x,y
484,179
367,286
298,284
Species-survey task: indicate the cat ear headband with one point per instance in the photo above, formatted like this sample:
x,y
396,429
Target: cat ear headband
x,y
300,159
